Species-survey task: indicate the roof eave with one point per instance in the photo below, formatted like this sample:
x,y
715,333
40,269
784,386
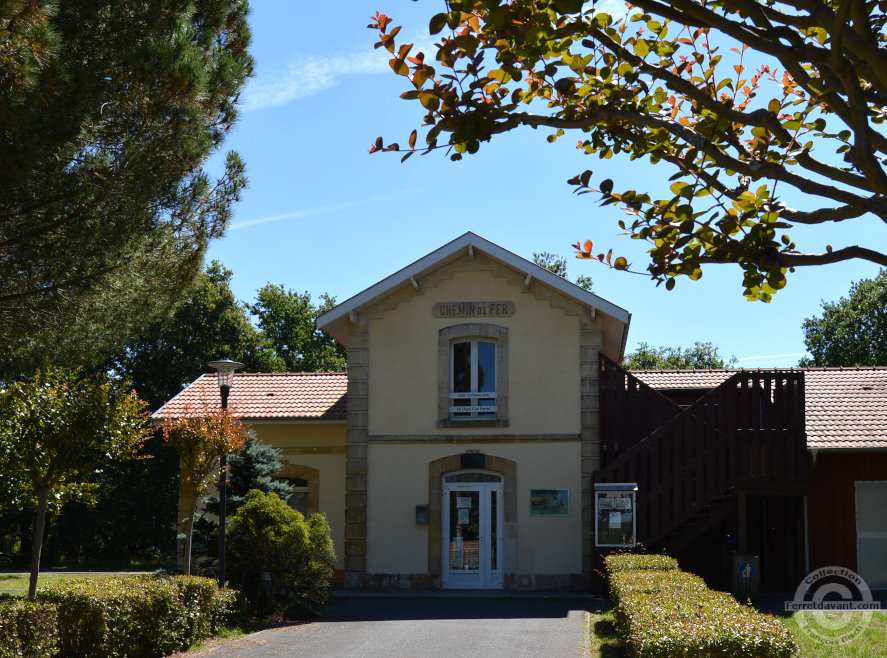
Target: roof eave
x,y
335,321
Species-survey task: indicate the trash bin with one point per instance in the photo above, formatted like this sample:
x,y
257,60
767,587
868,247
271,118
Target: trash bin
x,y
745,578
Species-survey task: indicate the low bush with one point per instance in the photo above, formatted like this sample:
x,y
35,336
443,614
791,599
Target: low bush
x,y
280,559
137,616
28,629
663,612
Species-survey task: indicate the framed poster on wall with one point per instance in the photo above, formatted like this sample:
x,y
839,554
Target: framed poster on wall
x,y
549,502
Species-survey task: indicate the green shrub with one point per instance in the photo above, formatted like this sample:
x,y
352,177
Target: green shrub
x,y
277,557
667,612
27,629
137,616
633,561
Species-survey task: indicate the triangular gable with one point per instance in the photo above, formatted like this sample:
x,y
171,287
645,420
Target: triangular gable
x,y
614,319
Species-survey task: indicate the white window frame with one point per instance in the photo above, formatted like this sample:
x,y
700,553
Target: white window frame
x,y
475,410
495,416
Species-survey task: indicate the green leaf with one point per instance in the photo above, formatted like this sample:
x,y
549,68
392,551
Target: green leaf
x,y
437,23
429,100
641,47
399,66
676,188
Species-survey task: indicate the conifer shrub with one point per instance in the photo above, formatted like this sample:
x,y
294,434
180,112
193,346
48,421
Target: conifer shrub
x,y
662,612
279,559
28,629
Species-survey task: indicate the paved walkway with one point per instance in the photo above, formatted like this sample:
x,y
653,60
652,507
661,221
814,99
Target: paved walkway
x,y
424,626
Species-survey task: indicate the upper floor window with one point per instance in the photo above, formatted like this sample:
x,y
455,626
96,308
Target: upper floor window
x,y
473,379
472,375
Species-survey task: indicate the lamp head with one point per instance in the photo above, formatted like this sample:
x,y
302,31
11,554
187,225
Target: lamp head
x,y
226,368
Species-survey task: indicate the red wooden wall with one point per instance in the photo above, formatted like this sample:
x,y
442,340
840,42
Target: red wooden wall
x,y
831,504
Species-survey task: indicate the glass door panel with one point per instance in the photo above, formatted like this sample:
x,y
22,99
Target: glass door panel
x,y
472,527
494,529
464,529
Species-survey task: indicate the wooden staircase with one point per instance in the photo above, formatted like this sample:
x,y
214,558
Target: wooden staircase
x,y
745,436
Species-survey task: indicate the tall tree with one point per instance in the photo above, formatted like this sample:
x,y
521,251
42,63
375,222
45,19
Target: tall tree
x,y
742,101
162,359
108,111
851,331
287,319
558,265
211,324
701,355
56,429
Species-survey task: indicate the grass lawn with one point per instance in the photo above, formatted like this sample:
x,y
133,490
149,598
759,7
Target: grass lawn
x,y
19,581
603,640
871,643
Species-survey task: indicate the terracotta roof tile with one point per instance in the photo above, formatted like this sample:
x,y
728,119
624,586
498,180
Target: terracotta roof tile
x,y
845,407
269,395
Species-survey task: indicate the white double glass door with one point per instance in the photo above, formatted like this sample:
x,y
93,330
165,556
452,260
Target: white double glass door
x,y
472,531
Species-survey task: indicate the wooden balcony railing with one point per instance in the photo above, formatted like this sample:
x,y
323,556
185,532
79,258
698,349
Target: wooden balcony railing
x,y
630,410
746,435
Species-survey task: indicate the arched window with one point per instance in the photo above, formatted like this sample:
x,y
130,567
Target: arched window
x,y
306,481
299,498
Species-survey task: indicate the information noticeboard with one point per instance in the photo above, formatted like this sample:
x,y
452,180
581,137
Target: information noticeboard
x,y
615,514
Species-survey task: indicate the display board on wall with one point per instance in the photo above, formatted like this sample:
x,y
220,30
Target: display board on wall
x,y
549,502
615,520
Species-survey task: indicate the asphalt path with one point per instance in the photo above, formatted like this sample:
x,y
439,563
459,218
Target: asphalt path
x,y
401,627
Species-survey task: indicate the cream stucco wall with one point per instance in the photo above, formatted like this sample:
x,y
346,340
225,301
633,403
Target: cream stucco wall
x,y
543,354
320,446
398,481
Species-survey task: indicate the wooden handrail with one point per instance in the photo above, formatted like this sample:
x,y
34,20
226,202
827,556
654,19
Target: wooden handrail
x,y
746,434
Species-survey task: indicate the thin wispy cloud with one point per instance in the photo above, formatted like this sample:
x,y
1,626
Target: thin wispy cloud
x,y
308,75
311,212
771,356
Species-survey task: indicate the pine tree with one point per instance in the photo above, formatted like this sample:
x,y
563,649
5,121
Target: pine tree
x,y
254,467
108,112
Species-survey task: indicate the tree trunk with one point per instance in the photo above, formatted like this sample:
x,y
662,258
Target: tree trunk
x,y
37,545
189,534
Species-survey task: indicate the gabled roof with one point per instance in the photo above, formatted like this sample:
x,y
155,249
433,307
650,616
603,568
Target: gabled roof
x,y
267,396
844,407
616,319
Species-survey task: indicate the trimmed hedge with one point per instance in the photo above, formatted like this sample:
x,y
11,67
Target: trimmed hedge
x,y
136,617
632,561
27,629
662,612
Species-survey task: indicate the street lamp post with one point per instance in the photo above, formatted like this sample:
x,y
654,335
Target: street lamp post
x,y
225,368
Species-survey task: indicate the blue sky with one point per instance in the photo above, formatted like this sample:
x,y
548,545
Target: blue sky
x,y
323,215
